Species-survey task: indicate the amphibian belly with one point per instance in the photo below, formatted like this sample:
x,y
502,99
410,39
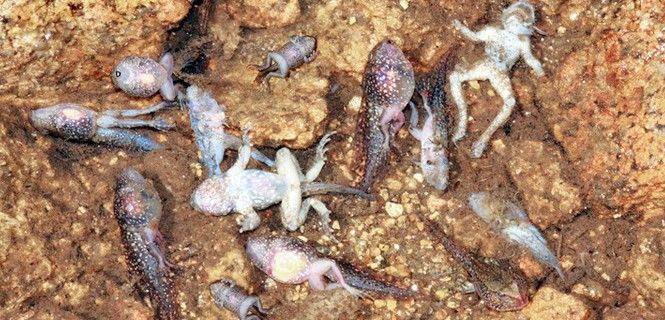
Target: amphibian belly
x,y
289,266
264,188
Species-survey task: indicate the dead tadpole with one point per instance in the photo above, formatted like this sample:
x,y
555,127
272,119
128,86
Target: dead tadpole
x,y
502,286
511,221
138,209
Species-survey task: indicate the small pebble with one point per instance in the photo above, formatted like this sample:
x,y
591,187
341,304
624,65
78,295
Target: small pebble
x,y
394,209
441,294
355,102
391,304
404,4
474,84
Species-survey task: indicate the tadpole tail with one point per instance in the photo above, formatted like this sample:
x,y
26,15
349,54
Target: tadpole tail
x,y
313,188
458,252
365,282
528,236
376,158
163,294
125,139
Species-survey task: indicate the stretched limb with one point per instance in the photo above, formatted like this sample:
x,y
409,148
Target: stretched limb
x,y
426,105
267,70
501,83
388,129
289,170
413,122
319,268
282,66
465,31
251,303
397,123
413,118
266,63
320,158
321,210
233,142
157,248
167,90
259,307
106,121
243,154
531,61
130,113
456,78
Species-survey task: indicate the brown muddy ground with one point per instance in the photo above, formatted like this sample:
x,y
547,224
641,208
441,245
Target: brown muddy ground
x,y
60,250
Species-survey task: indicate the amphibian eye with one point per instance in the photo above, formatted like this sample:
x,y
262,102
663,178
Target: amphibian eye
x,y
117,74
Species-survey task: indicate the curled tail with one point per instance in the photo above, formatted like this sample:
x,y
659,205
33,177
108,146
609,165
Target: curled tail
x,y
313,188
365,282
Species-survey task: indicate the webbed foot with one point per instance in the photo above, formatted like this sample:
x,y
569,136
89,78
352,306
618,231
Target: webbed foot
x,y
321,147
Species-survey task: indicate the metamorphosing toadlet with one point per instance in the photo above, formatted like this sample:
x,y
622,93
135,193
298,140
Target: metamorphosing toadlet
x,y
501,286
506,217
298,51
433,135
503,46
74,122
138,210
227,295
143,77
289,260
207,118
245,190
388,84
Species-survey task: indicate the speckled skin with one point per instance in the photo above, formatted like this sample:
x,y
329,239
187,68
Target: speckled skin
x,y
388,84
503,47
74,122
138,209
506,217
501,286
143,77
433,135
243,191
365,282
228,295
207,118
298,51
289,260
